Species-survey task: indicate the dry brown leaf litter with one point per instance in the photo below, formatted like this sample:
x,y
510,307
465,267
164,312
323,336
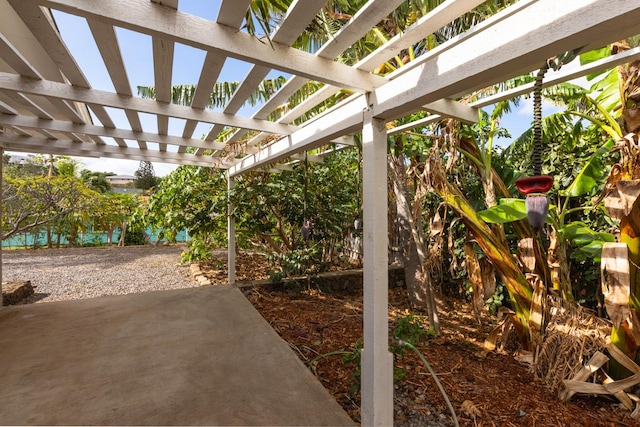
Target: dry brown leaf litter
x,y
491,389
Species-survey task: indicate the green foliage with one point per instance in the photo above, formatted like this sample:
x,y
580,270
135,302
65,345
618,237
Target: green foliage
x,y
197,251
31,202
220,94
353,357
497,300
411,329
591,175
268,210
66,166
271,208
62,204
97,181
303,261
578,155
507,210
145,176
587,241
191,198
95,241
23,170
134,236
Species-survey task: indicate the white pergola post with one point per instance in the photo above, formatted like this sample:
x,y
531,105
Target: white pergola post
x,y
231,235
377,361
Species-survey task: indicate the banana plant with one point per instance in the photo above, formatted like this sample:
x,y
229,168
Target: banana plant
x,y
513,209
493,245
622,90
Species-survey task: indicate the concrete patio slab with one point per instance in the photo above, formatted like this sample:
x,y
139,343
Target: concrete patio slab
x,y
201,356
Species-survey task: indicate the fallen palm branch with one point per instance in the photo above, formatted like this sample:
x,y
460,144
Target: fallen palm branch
x,y
602,384
574,354
572,360
572,336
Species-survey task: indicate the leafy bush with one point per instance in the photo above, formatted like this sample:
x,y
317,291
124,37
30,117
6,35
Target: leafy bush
x,y
411,329
197,250
134,237
94,242
353,358
304,261
408,328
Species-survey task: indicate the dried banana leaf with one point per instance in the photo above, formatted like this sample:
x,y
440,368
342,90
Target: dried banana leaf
x,y
616,282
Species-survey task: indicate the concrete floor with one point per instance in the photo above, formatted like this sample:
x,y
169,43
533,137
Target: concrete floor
x,y
201,356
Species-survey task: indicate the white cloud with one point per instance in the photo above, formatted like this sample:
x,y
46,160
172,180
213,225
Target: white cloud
x,y
123,167
117,166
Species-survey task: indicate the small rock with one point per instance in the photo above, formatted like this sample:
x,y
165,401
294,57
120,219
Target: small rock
x,y
195,269
202,280
15,291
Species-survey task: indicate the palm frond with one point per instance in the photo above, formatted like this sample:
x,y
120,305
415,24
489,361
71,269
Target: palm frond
x,y
220,94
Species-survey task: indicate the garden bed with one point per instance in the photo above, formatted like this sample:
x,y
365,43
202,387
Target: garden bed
x,y
491,389
484,388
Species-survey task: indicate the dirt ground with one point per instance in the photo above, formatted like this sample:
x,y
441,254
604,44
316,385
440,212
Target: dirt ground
x,y
493,389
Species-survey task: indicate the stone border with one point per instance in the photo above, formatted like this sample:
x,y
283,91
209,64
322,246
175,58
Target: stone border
x,y
198,276
333,281
349,281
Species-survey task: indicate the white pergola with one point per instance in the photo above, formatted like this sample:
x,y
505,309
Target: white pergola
x,y
45,98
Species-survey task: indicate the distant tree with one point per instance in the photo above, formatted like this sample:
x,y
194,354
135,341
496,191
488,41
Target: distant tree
x,y
37,201
26,169
114,211
192,198
54,165
145,176
29,166
97,181
66,166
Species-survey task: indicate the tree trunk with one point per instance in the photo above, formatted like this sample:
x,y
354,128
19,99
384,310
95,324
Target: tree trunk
x,y
122,233
73,235
49,242
559,265
150,241
629,76
630,234
412,242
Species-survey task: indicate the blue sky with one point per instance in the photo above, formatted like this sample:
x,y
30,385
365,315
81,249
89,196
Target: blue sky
x,y
138,58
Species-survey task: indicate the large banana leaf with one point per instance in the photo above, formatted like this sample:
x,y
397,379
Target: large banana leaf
x,y
591,174
508,210
589,242
580,234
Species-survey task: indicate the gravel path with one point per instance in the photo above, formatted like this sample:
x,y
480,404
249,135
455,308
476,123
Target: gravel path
x,y
76,273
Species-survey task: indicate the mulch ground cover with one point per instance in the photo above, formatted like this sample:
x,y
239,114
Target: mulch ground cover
x,y
485,389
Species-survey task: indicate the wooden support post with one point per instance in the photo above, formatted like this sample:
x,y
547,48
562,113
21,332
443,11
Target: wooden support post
x,y
377,361
231,235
